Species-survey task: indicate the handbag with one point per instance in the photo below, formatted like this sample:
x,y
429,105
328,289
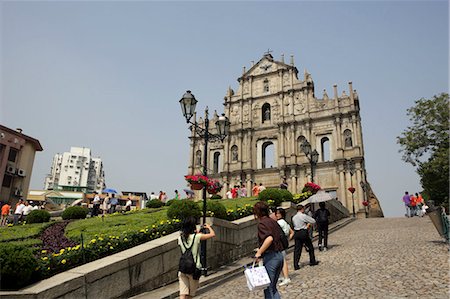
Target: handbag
x,y
257,277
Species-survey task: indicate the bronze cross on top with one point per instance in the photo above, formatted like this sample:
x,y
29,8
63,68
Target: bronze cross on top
x,y
268,51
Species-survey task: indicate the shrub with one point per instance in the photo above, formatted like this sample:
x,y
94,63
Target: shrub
x,y
216,209
216,196
74,213
18,266
181,209
170,202
154,203
275,195
38,216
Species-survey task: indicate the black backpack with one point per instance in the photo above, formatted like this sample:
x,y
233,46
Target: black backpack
x,y
187,263
322,216
283,238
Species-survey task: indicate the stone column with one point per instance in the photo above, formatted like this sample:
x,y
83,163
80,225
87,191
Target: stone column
x,y
343,190
348,195
338,129
359,191
293,185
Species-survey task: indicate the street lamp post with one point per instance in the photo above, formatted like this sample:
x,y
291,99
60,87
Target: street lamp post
x,y
365,188
188,103
313,156
351,168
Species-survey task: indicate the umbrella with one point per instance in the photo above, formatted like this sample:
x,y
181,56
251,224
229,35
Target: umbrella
x,y
189,191
320,196
109,190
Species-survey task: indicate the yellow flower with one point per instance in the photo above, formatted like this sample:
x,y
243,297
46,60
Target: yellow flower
x,y
77,247
125,239
48,268
93,240
61,251
63,261
44,251
44,258
111,247
55,254
100,239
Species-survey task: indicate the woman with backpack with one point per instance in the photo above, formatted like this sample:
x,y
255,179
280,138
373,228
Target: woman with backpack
x,y
190,265
270,247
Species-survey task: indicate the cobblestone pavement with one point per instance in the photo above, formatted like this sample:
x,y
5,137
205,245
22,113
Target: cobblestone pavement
x,y
369,258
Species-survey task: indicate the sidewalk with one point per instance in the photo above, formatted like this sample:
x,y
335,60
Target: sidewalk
x,y
218,276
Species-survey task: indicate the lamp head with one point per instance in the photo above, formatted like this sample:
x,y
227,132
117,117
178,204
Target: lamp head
x,y
188,103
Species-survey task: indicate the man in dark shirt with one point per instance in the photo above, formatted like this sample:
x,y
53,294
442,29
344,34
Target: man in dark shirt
x,y
321,216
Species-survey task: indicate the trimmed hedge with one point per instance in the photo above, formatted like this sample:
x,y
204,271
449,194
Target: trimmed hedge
x,y
216,196
216,209
181,209
38,216
275,195
74,213
154,203
18,266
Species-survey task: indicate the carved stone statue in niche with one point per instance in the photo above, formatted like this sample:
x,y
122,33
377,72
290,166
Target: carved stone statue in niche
x,y
348,138
234,153
198,158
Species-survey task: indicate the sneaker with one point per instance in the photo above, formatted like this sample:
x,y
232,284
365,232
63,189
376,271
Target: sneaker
x,y
285,282
325,249
320,248
314,264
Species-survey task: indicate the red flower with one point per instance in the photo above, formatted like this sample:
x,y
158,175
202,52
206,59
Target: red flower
x,y
352,190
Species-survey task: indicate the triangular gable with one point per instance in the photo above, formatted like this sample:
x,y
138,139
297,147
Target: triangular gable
x,y
266,65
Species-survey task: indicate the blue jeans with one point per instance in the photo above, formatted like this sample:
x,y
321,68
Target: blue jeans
x,y
273,261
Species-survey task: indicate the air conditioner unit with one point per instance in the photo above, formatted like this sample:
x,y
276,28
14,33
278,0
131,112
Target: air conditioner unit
x,y
21,172
10,169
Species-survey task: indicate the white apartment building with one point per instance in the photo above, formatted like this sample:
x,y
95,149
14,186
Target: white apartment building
x,y
76,170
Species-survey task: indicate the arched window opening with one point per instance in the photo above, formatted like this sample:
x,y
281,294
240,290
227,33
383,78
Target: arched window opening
x,y
266,112
198,157
266,86
216,162
268,155
325,144
234,153
300,141
348,138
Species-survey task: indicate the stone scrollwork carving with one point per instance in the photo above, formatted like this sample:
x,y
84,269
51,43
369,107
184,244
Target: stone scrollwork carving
x,y
235,114
246,118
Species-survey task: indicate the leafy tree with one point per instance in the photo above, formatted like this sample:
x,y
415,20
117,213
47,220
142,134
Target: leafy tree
x,y
425,144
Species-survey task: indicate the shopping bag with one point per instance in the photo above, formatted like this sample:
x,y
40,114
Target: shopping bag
x,y
257,277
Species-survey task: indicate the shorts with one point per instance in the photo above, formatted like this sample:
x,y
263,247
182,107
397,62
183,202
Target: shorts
x,y
188,286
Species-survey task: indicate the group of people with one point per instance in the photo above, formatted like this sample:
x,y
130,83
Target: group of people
x,y
414,204
21,211
271,226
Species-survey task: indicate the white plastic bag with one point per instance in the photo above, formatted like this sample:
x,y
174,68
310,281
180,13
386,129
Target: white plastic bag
x,y
257,277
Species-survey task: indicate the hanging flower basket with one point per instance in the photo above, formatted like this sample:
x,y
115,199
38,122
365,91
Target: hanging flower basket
x,y
365,203
197,186
213,187
352,190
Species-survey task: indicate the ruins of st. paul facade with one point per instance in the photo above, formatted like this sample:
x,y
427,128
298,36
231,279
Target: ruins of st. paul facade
x,y
272,113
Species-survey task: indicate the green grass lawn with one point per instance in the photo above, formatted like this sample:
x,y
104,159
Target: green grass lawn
x,y
110,225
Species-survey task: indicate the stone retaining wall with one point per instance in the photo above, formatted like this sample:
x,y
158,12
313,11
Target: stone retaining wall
x,y
144,267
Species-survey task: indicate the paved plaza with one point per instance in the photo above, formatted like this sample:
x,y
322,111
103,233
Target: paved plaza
x,y
368,258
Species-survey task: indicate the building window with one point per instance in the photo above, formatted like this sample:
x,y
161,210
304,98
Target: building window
x,y
268,155
348,138
234,153
7,180
216,162
12,155
266,112
325,144
266,86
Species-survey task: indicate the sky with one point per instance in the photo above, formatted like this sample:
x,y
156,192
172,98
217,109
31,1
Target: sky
x,y
108,75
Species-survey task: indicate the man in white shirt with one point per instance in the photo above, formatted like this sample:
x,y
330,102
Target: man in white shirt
x,y
19,211
128,204
153,196
27,209
96,204
261,187
301,236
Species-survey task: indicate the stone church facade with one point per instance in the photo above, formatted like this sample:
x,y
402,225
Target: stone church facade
x,y
271,113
